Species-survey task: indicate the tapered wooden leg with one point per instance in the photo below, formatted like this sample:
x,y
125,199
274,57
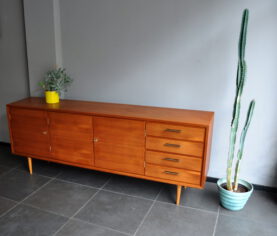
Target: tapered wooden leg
x,y
178,195
30,165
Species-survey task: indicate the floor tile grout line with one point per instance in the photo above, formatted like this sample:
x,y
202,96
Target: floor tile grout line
x,y
8,199
102,189
129,195
112,191
107,190
25,170
215,225
31,194
1,165
90,198
188,207
54,176
199,209
241,218
148,212
49,181
59,174
39,208
107,182
88,186
34,173
70,182
72,217
62,226
8,171
99,189
102,226
9,168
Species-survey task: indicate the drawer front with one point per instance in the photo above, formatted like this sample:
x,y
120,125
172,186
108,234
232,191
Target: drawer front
x,y
175,146
174,160
175,131
170,173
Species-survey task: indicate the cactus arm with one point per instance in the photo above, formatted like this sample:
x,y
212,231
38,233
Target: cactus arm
x,y
242,139
241,72
243,33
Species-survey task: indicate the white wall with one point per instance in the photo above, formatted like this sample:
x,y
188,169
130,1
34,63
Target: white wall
x,y
171,53
13,62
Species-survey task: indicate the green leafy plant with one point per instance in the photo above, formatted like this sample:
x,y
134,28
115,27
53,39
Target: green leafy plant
x,y
241,74
56,80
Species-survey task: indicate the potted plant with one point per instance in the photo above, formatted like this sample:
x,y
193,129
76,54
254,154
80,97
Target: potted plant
x,y
54,82
234,192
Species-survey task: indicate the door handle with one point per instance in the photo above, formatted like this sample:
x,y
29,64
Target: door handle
x,y
171,159
173,130
170,172
172,145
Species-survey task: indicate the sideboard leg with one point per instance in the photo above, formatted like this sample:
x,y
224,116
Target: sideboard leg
x,y
30,165
178,195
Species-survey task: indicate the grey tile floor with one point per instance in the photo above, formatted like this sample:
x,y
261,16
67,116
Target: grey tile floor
x,y
62,201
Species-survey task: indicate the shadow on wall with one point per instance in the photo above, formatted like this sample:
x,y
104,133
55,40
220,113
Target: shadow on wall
x,y
4,136
274,182
274,179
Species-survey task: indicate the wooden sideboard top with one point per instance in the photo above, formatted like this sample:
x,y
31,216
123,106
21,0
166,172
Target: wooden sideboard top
x,y
182,116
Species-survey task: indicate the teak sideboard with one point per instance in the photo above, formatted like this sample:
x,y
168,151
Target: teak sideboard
x,y
160,144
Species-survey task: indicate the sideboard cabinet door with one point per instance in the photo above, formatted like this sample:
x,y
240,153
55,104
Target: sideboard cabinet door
x,y
119,144
71,138
29,132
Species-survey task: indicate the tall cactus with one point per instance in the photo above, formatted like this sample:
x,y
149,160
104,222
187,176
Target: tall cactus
x,y
240,80
242,139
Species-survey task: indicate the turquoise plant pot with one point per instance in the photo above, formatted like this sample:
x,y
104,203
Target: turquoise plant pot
x,y
231,200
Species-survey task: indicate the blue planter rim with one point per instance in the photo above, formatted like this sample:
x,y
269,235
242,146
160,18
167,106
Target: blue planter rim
x,y
248,185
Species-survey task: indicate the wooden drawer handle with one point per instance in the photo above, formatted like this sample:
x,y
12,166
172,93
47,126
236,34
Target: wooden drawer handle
x,y
172,145
170,172
171,159
44,132
173,130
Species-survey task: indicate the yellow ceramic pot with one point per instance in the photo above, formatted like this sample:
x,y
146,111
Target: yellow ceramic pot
x,y
52,97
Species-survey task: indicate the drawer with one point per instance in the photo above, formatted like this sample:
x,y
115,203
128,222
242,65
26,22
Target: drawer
x,y
170,173
174,160
175,146
175,131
